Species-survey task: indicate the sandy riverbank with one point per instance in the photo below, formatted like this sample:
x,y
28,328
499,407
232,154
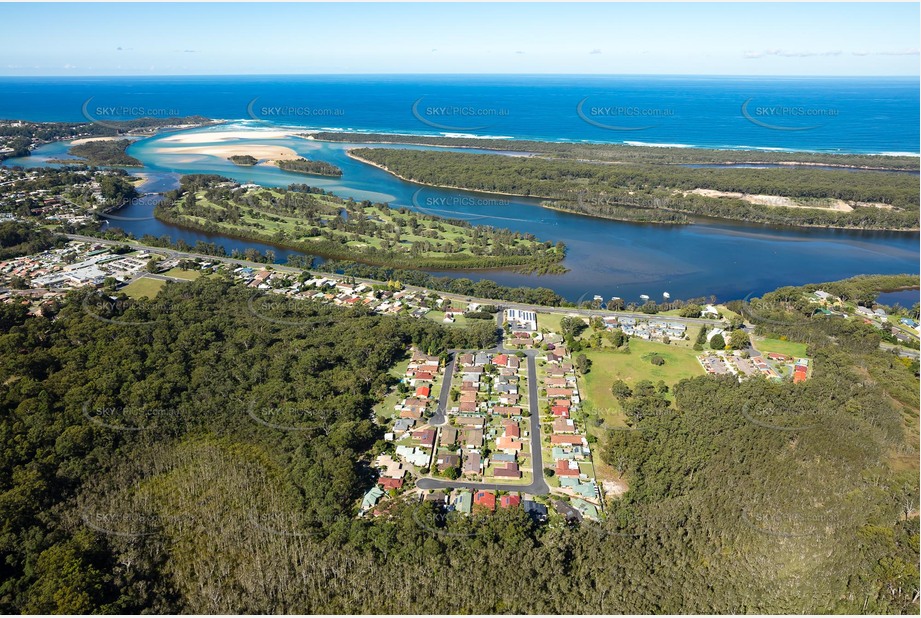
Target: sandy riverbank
x,y
84,140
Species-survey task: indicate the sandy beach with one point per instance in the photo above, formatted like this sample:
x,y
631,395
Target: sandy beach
x,y
260,151
84,140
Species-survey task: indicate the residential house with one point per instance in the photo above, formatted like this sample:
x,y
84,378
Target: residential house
x,y
426,437
448,436
509,500
473,438
463,502
508,470
566,467
485,499
570,440
569,513
536,510
564,425
508,444
389,483
472,464
371,498
448,460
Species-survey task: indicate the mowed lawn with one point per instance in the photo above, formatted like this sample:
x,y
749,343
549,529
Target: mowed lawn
x,y
608,366
145,287
181,273
777,346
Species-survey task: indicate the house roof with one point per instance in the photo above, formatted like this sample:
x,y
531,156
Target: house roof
x,y
535,509
448,436
506,442
486,499
472,464
512,430
423,391
566,439
564,425
389,483
567,511
509,500
463,503
473,436
509,470
426,437
563,468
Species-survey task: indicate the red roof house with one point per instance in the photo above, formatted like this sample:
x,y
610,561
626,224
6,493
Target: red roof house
x,y
485,499
509,500
388,483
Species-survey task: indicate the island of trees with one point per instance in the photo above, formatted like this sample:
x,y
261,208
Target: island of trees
x,y
808,196
105,152
305,166
321,224
243,159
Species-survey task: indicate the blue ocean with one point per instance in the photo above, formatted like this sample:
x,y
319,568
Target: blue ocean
x,y
853,115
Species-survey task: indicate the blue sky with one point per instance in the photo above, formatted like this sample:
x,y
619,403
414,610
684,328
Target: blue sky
x,y
713,39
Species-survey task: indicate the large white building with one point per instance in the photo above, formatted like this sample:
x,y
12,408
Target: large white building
x,y
520,319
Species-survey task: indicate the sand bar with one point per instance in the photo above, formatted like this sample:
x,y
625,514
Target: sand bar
x,y
259,151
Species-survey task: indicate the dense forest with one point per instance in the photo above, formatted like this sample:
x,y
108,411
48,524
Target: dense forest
x,y
621,153
105,152
18,238
877,200
304,166
134,477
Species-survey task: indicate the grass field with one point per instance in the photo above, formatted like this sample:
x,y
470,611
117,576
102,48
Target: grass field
x,y
790,348
607,366
551,322
384,409
179,273
145,287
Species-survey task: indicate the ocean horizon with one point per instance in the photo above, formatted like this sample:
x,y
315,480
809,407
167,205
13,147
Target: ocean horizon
x,y
847,115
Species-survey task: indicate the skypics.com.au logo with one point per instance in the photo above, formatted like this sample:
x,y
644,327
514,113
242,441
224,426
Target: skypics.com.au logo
x,y
470,117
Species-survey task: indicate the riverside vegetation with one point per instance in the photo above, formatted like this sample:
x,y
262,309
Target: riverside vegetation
x,y
805,196
321,224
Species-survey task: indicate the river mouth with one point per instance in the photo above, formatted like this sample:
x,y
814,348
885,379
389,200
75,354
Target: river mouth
x,y
726,260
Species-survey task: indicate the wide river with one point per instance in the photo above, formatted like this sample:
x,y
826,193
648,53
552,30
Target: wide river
x,y
725,259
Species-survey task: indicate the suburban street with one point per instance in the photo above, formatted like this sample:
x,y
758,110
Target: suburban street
x,y
537,486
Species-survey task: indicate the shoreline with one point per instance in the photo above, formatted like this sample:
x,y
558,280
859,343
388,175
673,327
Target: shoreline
x,y
383,168
489,144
